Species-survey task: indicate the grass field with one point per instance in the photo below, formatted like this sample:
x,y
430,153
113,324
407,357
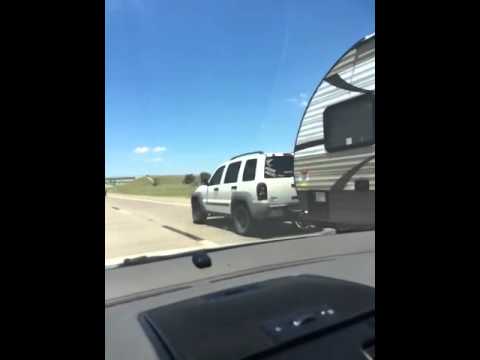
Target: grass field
x,y
166,185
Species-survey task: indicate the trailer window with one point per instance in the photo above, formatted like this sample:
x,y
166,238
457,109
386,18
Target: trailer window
x,y
350,123
279,166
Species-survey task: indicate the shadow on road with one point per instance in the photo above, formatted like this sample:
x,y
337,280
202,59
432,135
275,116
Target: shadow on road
x,y
265,230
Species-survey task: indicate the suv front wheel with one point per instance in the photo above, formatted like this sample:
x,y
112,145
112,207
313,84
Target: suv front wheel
x,y
243,222
198,214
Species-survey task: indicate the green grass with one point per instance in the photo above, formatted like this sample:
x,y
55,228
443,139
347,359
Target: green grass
x,y
167,185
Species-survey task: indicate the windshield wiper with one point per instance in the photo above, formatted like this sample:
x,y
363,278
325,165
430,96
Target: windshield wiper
x,y
147,259
200,259
137,260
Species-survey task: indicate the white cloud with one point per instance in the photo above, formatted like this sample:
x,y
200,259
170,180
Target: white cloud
x,y
145,149
159,148
141,150
300,99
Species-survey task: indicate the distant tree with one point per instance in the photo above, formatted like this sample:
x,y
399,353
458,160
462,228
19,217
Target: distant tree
x,y
204,176
189,179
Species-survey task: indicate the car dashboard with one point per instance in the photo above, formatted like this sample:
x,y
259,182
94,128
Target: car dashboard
x,y
170,309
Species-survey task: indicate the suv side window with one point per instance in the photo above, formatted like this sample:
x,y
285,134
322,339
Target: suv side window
x,y
232,173
215,180
249,171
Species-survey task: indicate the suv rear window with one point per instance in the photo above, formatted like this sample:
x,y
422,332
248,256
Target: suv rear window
x,y
350,123
249,171
232,173
215,180
279,166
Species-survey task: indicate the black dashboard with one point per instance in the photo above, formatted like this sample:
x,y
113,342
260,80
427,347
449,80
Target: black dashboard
x,y
318,290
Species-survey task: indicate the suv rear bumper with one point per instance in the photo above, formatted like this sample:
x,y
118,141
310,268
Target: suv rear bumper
x,y
261,211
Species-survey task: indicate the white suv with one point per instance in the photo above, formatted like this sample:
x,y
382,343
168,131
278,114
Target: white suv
x,y
249,187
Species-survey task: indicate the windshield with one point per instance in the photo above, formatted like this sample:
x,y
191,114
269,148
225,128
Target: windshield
x,y
236,122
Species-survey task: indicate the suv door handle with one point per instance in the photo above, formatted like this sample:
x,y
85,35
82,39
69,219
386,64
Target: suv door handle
x,y
215,189
234,188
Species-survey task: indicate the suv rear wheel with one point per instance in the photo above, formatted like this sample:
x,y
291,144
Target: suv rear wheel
x,y
243,222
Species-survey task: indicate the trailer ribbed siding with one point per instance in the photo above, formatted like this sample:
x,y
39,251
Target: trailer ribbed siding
x,y
325,170
316,169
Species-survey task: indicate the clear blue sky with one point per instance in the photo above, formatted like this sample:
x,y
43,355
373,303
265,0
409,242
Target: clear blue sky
x,y
200,81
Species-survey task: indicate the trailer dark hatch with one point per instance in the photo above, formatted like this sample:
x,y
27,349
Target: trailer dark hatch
x,y
350,123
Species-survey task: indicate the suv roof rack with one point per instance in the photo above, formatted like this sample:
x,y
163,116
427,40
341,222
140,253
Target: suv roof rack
x,y
248,153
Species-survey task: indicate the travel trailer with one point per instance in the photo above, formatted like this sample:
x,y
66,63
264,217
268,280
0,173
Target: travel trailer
x,y
334,155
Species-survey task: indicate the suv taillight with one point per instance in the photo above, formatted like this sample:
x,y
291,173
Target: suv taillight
x,y
262,191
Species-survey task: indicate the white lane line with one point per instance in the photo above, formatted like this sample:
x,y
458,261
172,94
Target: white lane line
x,y
151,201
208,243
